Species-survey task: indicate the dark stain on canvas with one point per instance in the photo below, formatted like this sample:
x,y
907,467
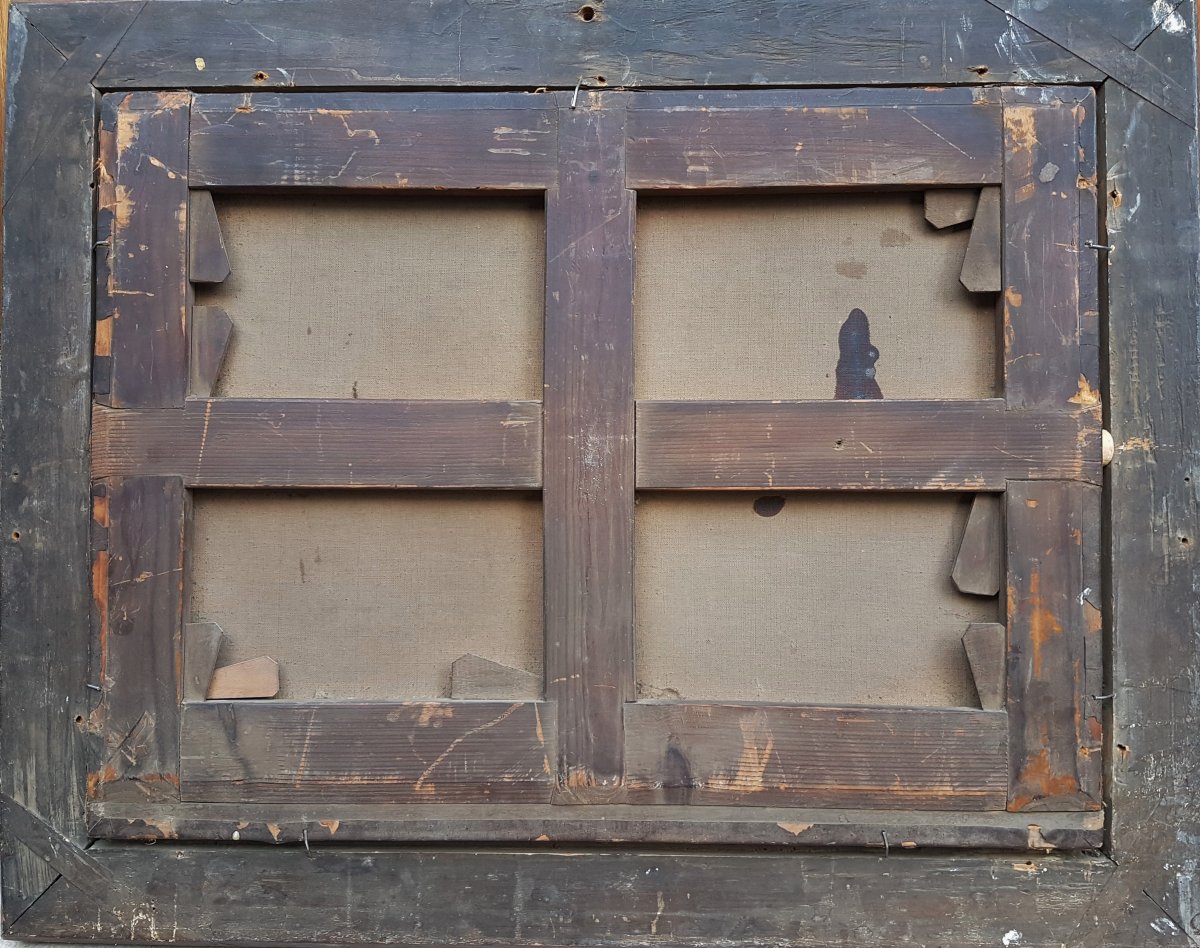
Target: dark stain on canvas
x,y
856,359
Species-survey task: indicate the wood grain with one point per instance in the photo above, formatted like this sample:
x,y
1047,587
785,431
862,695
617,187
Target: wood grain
x,y
328,43
801,146
140,645
1046,291
858,445
45,395
1055,741
324,443
142,211
372,141
589,481
1152,555
796,755
380,752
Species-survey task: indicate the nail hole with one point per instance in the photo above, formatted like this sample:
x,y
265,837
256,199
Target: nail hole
x,y
587,13
1123,748
978,70
16,534
260,76
601,81
79,719
1115,195
769,506
1185,540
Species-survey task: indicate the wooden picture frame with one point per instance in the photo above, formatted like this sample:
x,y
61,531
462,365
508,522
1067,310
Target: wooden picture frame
x,y
106,430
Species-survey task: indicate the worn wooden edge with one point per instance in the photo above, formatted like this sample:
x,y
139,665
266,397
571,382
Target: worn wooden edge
x,y
803,146
1047,291
588,493
44,405
140,647
1150,78
541,825
613,898
142,198
1150,572
775,755
1056,734
255,145
859,445
947,207
630,45
243,442
66,857
432,751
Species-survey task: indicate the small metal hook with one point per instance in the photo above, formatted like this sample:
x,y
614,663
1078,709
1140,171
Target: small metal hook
x,y
306,848
575,94
1095,246
887,850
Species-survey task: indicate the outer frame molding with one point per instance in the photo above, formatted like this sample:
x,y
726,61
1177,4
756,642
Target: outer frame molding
x,y
1149,896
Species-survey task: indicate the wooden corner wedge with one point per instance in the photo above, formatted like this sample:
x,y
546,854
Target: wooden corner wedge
x,y
475,677
986,646
981,264
946,207
979,567
255,678
211,332
207,259
201,646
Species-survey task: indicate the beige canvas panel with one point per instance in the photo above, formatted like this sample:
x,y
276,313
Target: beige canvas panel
x,y
743,298
377,297
835,599
370,595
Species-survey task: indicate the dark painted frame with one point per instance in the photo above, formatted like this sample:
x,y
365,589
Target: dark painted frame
x,y
1143,889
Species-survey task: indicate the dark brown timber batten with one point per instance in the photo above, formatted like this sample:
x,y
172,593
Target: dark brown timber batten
x,y
588,467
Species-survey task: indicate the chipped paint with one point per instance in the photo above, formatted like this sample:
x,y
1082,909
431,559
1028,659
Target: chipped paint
x,y
795,828
1087,396
331,826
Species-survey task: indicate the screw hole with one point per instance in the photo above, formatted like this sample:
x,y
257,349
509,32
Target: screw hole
x,y
601,81
260,76
16,534
79,719
1185,540
978,70
769,506
587,13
